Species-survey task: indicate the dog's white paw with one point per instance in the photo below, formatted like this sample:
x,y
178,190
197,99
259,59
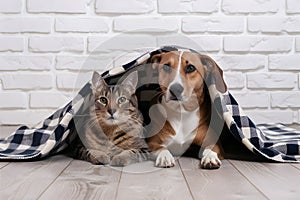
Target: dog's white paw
x,y
165,159
210,160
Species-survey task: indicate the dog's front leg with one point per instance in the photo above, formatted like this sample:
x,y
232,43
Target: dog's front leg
x,y
212,152
210,158
161,155
164,158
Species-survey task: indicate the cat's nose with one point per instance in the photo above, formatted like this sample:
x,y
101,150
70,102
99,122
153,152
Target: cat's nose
x,y
111,111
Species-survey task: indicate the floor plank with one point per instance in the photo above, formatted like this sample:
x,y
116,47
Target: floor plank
x,y
153,183
27,180
3,164
82,180
275,180
296,165
223,183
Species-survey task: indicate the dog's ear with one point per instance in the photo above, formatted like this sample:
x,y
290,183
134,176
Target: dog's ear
x,y
154,60
213,69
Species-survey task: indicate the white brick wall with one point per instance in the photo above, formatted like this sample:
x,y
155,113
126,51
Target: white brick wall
x,y
250,6
25,25
48,49
11,44
125,7
78,25
10,6
293,6
261,44
56,6
213,25
145,24
179,6
274,24
55,44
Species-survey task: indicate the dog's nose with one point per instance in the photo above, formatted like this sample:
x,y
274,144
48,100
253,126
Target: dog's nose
x,y
176,90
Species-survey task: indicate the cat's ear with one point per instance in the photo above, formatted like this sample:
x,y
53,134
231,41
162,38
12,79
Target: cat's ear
x,y
97,80
131,81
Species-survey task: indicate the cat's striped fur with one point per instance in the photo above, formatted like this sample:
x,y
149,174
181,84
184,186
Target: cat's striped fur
x,y
112,131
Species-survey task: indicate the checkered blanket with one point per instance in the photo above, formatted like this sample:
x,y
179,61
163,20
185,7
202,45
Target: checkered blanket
x,y
273,141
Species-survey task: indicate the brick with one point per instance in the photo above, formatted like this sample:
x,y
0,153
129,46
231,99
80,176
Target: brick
x,y
242,62
234,80
293,6
56,6
252,99
81,25
13,100
146,24
274,24
25,24
250,6
10,6
14,44
274,116
180,6
48,99
26,80
124,7
257,44
298,44
284,62
271,80
199,43
213,24
82,63
121,42
71,80
13,63
285,99
56,44
19,117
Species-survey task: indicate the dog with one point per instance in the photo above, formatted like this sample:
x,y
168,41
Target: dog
x,y
186,107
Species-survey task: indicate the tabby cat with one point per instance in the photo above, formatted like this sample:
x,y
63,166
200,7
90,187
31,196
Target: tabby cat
x,y
111,132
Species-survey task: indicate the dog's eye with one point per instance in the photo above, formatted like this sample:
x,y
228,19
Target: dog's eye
x,y
167,68
190,69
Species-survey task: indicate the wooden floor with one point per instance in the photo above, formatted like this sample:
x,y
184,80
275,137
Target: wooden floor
x,y
61,177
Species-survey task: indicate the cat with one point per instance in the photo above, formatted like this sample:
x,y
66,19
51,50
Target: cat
x,y
112,130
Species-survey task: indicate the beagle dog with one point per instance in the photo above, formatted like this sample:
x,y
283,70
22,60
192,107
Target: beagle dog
x,y
185,108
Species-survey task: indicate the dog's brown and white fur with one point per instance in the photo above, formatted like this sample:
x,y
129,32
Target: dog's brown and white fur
x,y
186,107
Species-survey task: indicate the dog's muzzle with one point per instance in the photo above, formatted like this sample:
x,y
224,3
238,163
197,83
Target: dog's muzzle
x,y
176,92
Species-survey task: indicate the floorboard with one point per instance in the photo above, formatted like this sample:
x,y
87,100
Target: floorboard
x,y
275,180
223,183
152,183
82,180
27,180
3,164
296,165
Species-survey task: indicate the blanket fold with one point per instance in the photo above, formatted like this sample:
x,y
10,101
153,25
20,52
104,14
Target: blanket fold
x,y
272,141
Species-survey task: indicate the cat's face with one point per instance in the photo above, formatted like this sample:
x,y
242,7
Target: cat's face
x,y
114,105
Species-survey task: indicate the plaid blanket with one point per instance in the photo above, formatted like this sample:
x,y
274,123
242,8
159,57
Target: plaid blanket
x,y
273,141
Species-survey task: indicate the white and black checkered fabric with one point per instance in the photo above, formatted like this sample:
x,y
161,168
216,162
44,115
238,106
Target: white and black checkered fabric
x,y
273,141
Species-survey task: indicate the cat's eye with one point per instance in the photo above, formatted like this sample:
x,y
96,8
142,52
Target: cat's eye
x,y
122,100
167,68
190,69
103,100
